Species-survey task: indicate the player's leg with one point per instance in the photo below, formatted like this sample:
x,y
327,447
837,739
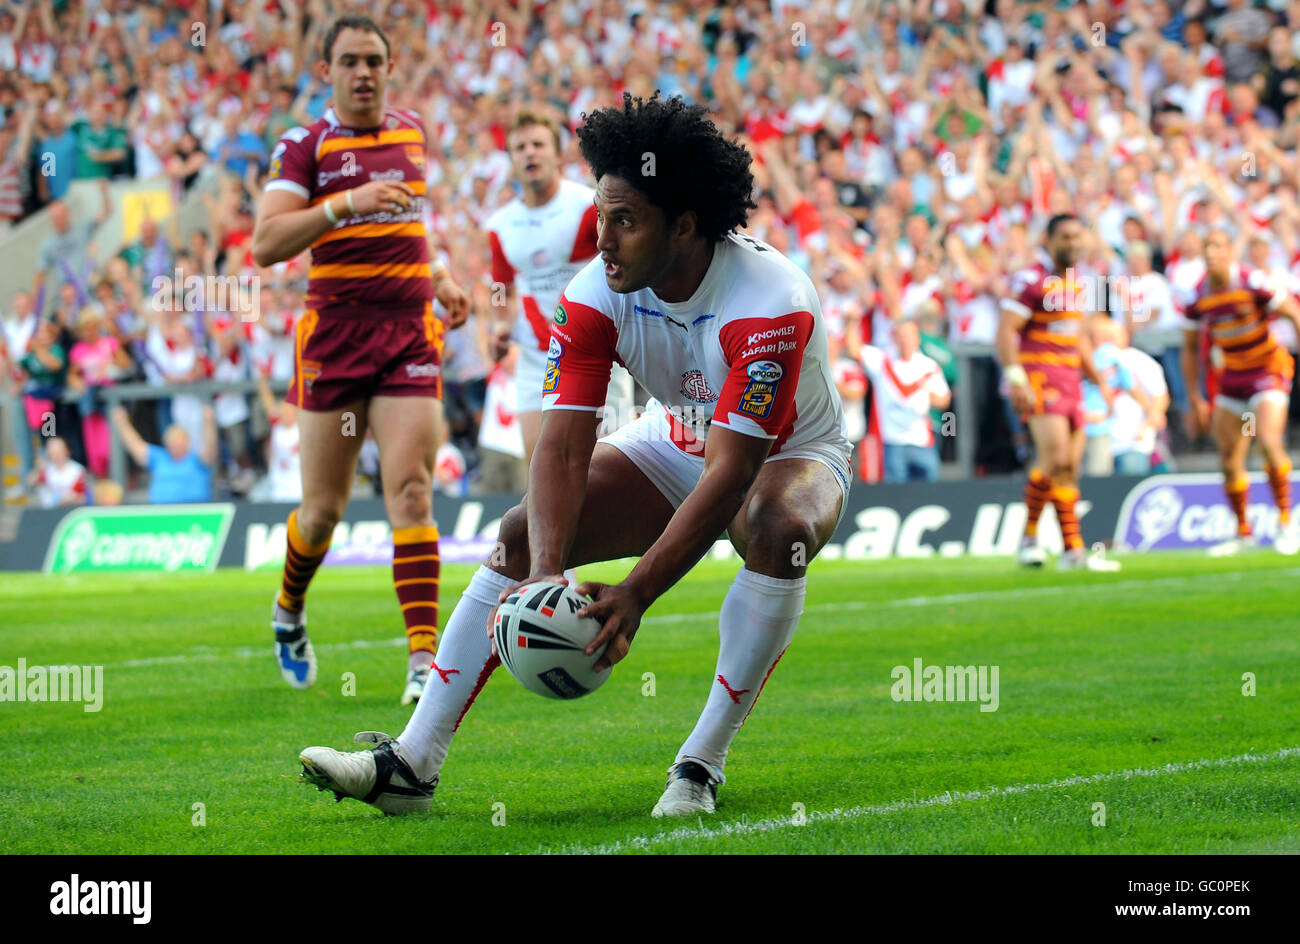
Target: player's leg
x,y
610,526
328,445
790,513
1050,433
1229,425
406,432
1271,416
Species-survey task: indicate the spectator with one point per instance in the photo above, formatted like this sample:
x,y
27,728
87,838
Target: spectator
x,y
15,145
61,260
904,389
58,480
239,148
58,156
177,472
102,147
1139,415
96,361
1242,34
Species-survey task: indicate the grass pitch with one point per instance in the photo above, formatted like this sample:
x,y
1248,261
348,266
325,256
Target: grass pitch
x,y
1124,690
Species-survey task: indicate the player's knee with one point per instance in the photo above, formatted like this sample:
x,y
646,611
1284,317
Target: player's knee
x,y
412,502
316,521
510,557
779,537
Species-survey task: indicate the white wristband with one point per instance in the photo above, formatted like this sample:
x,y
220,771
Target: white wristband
x,y
1016,375
351,209
329,211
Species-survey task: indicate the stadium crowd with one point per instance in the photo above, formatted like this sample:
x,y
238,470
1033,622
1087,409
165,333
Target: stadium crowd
x,y
908,155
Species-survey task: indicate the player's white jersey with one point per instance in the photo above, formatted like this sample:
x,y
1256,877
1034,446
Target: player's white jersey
x,y
540,249
747,351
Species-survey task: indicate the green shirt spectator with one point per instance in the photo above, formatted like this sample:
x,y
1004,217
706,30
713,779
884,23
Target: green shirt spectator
x,y
937,349
101,147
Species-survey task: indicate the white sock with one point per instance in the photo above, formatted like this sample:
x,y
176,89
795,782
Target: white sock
x,y
757,622
461,667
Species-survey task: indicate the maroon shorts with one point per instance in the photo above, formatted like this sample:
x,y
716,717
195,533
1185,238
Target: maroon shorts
x,y
1058,392
342,359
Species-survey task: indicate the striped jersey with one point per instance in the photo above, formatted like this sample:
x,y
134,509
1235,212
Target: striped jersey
x,y
366,262
1050,335
1237,316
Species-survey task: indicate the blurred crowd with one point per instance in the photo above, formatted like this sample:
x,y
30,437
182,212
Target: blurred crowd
x,y
908,156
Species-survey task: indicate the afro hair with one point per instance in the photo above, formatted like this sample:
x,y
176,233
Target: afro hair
x,y
672,153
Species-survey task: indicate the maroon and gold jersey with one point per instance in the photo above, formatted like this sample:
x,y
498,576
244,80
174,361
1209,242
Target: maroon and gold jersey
x,y
1236,318
375,262
1050,336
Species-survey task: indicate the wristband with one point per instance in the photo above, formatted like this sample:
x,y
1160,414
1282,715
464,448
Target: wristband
x,y
351,208
329,211
1016,375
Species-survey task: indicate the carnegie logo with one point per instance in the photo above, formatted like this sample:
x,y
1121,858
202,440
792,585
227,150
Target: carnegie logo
x,y
770,333
765,371
422,370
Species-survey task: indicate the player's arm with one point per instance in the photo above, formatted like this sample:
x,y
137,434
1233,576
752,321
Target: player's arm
x,y
731,464
1199,414
287,223
1289,308
558,472
208,447
1089,368
1007,343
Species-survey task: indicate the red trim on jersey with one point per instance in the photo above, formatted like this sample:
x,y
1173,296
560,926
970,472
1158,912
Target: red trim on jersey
x,y
747,341
502,270
586,343
584,244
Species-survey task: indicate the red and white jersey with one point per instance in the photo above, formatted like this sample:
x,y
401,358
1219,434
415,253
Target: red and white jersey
x,y
901,395
747,351
539,249
54,484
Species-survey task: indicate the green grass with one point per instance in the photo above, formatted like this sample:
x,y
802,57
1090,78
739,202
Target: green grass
x,y
1099,674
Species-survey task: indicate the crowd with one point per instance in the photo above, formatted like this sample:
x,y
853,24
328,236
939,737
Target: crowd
x,y
908,154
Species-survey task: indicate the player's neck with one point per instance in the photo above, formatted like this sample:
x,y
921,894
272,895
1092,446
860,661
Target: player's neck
x,y
536,198
366,120
681,283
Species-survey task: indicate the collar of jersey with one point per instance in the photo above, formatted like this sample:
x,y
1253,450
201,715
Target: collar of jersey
x,y
702,291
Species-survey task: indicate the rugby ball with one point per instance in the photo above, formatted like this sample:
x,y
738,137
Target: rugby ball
x,y
540,640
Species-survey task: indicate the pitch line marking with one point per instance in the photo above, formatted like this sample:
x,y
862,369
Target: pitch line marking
x,y
213,654
742,828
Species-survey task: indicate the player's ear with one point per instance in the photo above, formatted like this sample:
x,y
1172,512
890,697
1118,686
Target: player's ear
x,y
323,71
685,226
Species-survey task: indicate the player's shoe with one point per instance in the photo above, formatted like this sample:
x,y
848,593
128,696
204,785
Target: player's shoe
x,y
1232,546
1288,539
293,652
415,682
691,788
380,776
1095,561
1031,555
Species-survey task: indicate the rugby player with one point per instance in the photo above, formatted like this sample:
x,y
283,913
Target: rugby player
x,y
367,352
1235,305
1045,353
745,439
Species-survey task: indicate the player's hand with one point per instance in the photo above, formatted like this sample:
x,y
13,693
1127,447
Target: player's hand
x,y
453,298
386,196
1022,398
620,610
501,598
1198,416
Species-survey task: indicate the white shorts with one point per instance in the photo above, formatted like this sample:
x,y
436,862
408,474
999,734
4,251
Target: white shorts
x,y
1238,407
675,473
530,374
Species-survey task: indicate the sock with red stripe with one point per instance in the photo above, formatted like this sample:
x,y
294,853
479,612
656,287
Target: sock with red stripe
x,y
415,578
1279,480
757,622
1236,491
1064,497
1038,492
463,664
300,562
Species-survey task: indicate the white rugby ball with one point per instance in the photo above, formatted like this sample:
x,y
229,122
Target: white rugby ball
x,y
541,641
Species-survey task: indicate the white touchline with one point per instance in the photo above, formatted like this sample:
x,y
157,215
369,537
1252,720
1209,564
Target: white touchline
x,y
742,828
215,654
